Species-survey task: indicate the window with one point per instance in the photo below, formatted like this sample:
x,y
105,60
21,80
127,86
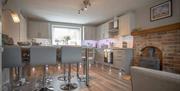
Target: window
x,y
66,35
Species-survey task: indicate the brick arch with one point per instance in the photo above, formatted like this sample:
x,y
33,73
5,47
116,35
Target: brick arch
x,y
158,54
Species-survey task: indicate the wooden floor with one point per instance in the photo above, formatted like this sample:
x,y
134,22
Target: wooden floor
x,y
101,79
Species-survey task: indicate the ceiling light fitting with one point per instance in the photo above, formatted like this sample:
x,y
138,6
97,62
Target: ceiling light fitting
x,y
14,15
86,4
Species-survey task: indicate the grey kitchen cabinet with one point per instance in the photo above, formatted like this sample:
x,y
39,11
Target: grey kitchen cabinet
x,y
99,33
122,59
38,29
89,33
99,56
102,31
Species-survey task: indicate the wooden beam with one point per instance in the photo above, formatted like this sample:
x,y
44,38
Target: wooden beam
x,y
164,28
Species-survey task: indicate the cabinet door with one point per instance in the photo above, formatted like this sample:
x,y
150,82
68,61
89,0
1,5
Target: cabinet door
x,y
126,24
89,33
99,56
33,29
103,31
38,29
106,30
98,33
44,30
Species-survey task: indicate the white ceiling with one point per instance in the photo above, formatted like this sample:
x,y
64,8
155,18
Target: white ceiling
x,y
67,10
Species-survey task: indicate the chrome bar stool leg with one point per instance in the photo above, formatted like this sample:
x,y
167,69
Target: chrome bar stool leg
x,y
82,78
64,76
25,80
69,85
84,67
48,77
18,81
18,74
21,77
87,68
78,71
44,87
49,80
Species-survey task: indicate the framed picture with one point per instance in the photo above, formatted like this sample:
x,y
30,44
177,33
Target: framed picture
x,y
161,11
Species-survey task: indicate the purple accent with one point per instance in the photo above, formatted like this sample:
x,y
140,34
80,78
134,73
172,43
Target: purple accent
x,y
105,42
89,43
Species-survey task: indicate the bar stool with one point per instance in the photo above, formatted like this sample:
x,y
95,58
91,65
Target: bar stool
x,y
11,58
82,77
62,77
70,55
44,56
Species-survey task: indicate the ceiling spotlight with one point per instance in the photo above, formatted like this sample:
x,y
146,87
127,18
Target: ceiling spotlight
x,y
85,8
86,4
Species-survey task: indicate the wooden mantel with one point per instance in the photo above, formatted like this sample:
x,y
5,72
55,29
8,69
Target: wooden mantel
x,y
165,28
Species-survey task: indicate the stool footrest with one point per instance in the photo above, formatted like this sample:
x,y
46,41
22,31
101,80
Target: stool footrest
x,y
69,86
45,89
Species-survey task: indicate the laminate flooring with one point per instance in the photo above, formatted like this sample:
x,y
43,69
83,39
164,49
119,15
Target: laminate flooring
x,y
101,79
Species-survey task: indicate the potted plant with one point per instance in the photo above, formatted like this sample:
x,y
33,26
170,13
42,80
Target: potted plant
x,y
66,39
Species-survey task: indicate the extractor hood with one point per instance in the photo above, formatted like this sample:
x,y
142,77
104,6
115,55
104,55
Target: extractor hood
x,y
114,26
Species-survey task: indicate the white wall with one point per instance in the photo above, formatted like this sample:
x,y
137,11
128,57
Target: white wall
x,y
23,28
143,15
18,31
10,28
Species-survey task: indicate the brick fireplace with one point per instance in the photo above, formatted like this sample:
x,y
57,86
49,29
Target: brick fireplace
x,y
166,39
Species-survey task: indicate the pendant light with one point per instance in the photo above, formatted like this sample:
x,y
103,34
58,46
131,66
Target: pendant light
x,y
15,17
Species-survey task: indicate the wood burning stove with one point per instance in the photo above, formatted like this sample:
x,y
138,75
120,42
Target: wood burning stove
x,y
151,57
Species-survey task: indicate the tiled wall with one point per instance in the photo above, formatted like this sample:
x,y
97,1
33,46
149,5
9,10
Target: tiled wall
x,y
168,42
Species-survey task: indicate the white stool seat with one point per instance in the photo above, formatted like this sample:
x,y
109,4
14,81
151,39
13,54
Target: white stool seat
x,y
11,57
42,55
70,55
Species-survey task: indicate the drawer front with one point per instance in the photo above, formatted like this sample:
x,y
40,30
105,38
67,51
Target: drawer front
x,y
116,64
